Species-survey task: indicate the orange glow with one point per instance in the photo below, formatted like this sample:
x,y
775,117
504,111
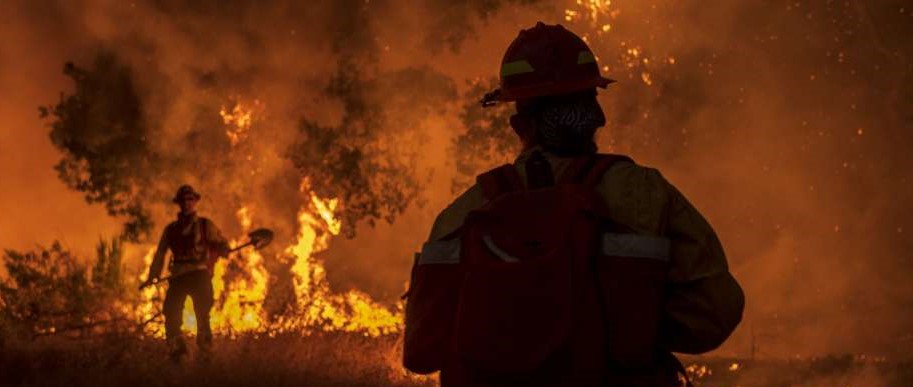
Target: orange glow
x,y
789,152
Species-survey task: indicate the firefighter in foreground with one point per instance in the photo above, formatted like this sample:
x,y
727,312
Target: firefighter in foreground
x,y
567,267
195,244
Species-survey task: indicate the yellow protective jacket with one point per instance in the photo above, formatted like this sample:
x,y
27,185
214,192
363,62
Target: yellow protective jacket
x,y
703,302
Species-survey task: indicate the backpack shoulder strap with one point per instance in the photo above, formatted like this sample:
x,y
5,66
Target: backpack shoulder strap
x,y
602,164
499,181
589,170
204,234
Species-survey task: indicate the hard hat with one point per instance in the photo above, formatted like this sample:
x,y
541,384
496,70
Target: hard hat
x,y
185,189
546,60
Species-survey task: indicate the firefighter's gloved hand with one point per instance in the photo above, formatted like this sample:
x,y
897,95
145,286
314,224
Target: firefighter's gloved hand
x,y
223,250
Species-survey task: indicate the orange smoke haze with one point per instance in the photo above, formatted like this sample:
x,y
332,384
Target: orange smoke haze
x,y
786,123
36,208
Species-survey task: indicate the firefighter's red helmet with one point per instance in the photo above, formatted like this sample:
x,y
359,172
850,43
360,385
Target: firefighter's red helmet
x,y
546,60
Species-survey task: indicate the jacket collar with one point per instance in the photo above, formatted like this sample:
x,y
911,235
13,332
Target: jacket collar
x,y
182,217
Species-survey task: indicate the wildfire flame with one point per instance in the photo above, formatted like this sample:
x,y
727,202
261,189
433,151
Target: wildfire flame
x,y
239,117
241,300
239,297
352,311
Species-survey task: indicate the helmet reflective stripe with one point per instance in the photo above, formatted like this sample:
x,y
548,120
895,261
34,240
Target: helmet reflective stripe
x,y
516,67
585,57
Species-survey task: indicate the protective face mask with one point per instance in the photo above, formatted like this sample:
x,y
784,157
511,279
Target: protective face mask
x,y
567,126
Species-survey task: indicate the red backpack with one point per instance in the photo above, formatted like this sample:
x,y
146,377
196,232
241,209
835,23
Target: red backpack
x,y
533,299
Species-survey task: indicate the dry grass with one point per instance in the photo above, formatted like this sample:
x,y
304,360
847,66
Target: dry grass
x,y
318,360
352,360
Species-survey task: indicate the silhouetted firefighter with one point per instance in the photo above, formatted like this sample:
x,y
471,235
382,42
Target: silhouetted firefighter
x,y
567,267
195,243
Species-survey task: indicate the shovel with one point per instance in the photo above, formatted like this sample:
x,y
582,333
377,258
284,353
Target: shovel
x,y
258,238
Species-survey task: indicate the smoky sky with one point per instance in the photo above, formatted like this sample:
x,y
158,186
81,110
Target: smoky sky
x,y
786,123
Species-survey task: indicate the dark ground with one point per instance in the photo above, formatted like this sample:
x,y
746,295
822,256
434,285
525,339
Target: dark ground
x,y
353,360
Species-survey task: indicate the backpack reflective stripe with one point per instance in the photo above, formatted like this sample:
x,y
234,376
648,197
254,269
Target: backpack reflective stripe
x,y
636,246
440,252
613,244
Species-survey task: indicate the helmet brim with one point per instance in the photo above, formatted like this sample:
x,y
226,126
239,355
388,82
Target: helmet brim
x,y
541,90
177,199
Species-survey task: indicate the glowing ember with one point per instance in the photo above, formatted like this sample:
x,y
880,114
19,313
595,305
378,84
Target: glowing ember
x,y
645,76
592,9
698,371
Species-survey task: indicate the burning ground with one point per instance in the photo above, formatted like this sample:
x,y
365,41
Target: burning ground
x,y
346,125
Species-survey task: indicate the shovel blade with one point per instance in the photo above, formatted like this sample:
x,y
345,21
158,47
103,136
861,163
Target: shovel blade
x,y
260,237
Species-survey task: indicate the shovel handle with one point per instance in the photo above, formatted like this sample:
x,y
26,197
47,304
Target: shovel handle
x,y
166,278
240,247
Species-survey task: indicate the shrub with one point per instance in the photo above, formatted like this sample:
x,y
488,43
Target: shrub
x,y
50,291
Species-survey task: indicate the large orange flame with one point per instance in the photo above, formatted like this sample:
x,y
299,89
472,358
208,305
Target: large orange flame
x,y
319,308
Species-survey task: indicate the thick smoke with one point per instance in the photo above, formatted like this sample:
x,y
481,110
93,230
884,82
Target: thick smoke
x,y
786,123
139,125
